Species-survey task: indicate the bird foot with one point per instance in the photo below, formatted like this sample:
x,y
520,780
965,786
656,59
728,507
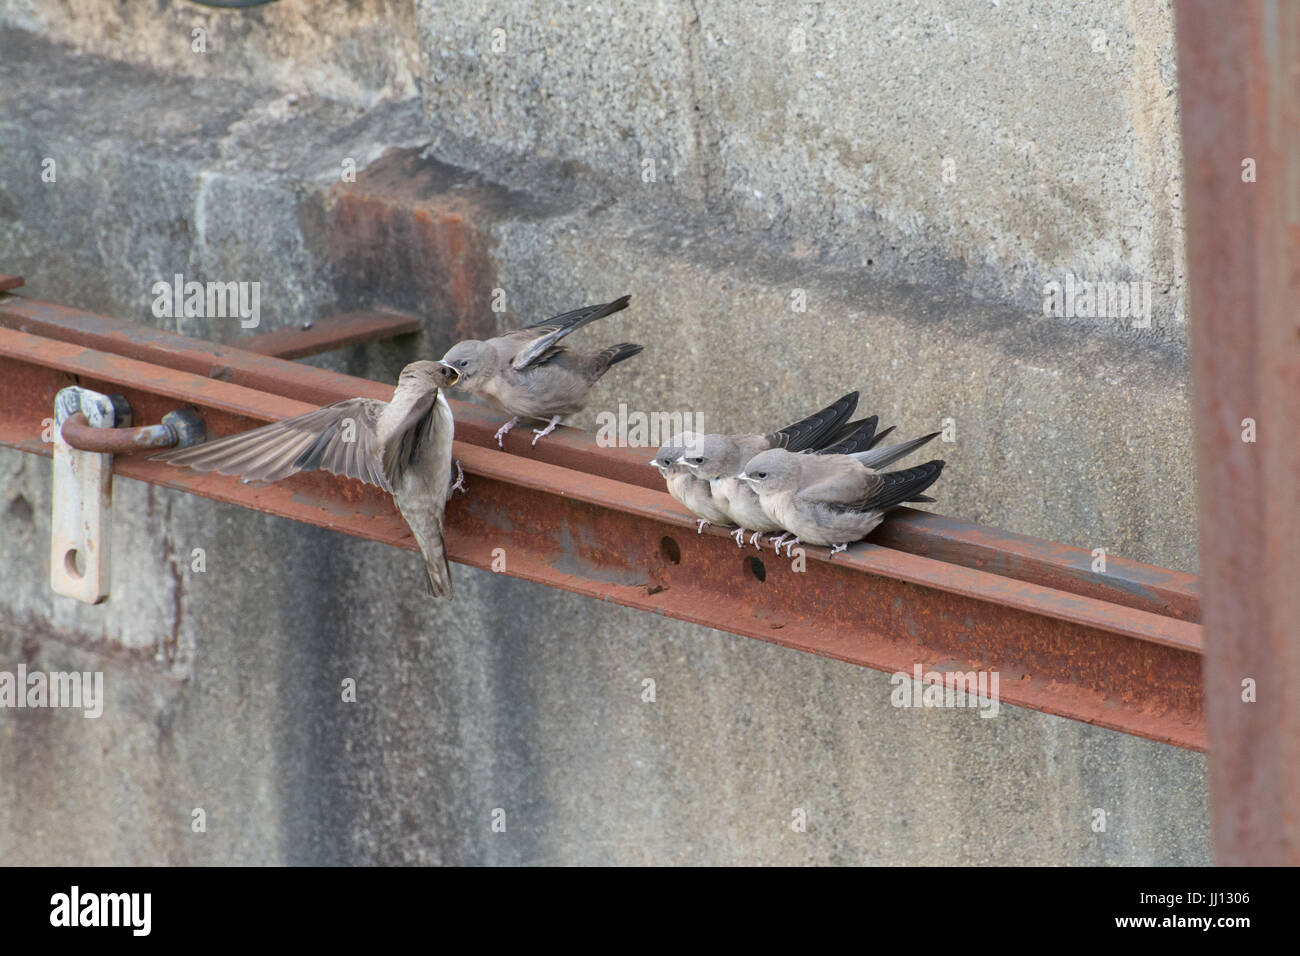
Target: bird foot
x,y
754,539
460,481
543,432
776,540
699,526
789,547
504,430
836,549
739,535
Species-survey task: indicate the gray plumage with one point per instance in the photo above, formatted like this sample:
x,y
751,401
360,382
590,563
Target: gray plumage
x,y
832,500
715,460
528,374
402,446
692,492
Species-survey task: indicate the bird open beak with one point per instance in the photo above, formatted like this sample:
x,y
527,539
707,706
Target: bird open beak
x,y
453,372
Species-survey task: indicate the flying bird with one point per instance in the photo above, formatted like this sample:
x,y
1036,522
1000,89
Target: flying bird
x,y
402,446
698,493
528,374
832,500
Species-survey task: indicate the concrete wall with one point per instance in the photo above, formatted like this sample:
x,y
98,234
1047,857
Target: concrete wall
x,y
784,163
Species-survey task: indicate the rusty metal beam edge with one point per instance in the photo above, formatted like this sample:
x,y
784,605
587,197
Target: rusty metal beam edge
x,y
711,606
1061,567
542,491
131,374
334,332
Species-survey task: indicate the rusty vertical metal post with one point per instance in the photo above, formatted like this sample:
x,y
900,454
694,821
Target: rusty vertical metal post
x,y
1239,81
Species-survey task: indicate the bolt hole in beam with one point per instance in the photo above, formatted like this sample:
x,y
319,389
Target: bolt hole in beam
x,y
755,567
75,564
671,550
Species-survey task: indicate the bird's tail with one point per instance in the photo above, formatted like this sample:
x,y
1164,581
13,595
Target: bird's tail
x,y
438,572
905,485
880,457
617,353
427,529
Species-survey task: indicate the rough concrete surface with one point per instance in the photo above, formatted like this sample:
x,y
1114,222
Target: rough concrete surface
x,y
1075,430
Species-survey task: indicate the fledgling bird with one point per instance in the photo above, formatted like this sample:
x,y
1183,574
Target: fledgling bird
x,y
721,458
692,492
698,494
832,500
527,374
402,446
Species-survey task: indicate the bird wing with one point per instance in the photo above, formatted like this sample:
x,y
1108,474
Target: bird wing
x,y
835,480
537,340
409,436
850,437
338,438
887,490
806,432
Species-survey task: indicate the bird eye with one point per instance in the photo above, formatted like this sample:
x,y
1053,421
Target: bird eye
x,y
696,461
761,475
462,363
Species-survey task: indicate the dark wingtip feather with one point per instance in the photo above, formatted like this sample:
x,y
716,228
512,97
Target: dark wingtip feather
x,y
849,438
807,432
879,436
905,485
621,352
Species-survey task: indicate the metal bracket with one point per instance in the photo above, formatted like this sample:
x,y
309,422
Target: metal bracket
x,y
80,532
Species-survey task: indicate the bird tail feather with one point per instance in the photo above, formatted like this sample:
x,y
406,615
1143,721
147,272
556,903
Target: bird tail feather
x,y
880,457
619,353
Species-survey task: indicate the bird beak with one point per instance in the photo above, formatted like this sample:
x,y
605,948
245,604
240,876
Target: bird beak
x,y
744,477
655,462
451,371
680,461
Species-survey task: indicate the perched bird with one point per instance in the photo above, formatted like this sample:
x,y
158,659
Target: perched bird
x,y
833,500
714,460
693,492
721,458
698,494
527,374
403,446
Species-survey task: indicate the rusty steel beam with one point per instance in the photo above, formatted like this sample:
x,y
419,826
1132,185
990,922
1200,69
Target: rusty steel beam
x,y
1050,564
1066,653
10,282
1239,82
335,332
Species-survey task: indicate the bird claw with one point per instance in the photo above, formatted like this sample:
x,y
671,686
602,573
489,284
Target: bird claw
x,y
776,540
460,481
754,540
789,547
836,549
739,535
539,433
699,526
503,431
